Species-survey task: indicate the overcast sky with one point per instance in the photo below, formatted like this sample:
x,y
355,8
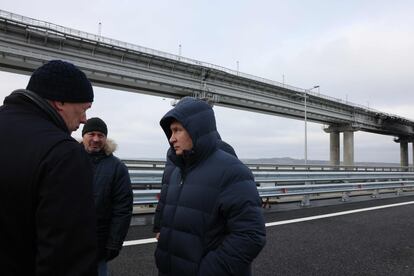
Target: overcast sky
x,y
361,51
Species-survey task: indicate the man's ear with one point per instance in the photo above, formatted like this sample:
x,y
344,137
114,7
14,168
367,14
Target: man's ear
x,y
57,105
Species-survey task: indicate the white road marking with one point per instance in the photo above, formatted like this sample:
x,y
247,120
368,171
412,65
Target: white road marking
x,y
269,224
137,242
276,223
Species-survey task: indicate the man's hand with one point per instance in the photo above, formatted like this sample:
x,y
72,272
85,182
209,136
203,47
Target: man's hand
x,y
157,236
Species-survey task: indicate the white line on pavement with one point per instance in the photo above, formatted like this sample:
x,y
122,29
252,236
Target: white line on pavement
x,y
143,241
337,214
269,224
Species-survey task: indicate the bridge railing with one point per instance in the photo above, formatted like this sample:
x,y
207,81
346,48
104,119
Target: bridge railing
x,y
159,165
286,181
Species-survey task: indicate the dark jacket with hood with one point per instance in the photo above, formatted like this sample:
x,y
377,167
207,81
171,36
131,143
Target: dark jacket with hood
x,y
47,215
169,168
212,222
113,200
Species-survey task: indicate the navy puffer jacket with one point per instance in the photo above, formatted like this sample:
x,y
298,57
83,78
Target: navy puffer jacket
x,y
212,222
169,168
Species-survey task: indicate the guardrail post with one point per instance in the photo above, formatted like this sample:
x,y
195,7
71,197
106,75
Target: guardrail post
x,y
305,201
399,191
266,203
375,194
345,196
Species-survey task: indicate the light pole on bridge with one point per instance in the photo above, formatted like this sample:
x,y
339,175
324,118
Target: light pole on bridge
x,y
306,121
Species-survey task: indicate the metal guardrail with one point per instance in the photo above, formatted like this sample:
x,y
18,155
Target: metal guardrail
x,y
159,165
345,190
296,167
291,180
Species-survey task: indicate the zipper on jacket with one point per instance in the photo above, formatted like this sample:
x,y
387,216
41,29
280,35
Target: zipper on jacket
x,y
182,180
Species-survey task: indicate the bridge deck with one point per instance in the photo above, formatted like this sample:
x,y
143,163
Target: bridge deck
x,y
369,242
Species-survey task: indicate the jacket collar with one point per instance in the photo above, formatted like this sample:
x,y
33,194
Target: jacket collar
x,y
109,148
33,101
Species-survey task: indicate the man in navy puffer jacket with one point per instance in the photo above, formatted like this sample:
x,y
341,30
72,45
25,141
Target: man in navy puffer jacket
x,y
212,222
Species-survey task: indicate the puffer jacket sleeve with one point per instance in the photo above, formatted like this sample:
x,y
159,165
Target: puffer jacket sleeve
x,y
239,204
169,168
65,216
122,203
160,207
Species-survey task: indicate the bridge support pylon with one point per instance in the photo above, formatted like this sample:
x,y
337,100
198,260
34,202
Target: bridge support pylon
x,y
334,144
403,151
348,148
413,154
334,148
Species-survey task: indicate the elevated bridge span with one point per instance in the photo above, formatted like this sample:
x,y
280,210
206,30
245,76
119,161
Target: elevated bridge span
x,y
26,43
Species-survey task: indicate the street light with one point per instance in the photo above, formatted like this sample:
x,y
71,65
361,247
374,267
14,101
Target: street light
x,y
306,122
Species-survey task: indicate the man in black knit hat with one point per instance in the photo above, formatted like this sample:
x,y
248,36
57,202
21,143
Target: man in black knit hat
x,y
47,214
112,189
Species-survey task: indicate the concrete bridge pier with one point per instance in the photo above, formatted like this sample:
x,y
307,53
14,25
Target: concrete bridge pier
x,y
334,143
403,150
404,153
334,151
349,148
403,141
413,152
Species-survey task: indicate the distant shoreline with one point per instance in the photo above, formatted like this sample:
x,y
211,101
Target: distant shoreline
x,y
286,161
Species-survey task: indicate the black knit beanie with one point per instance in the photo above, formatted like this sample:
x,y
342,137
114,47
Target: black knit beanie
x,y
61,81
95,124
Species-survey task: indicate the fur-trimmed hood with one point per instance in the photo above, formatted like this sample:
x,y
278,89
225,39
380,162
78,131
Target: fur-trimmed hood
x,y
109,148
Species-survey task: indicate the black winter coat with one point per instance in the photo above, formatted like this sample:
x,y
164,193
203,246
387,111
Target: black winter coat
x,y
113,199
212,221
47,214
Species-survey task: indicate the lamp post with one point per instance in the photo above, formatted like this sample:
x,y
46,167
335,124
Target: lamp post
x,y
306,121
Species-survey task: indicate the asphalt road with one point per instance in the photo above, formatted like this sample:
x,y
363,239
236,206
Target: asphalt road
x,y
371,242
